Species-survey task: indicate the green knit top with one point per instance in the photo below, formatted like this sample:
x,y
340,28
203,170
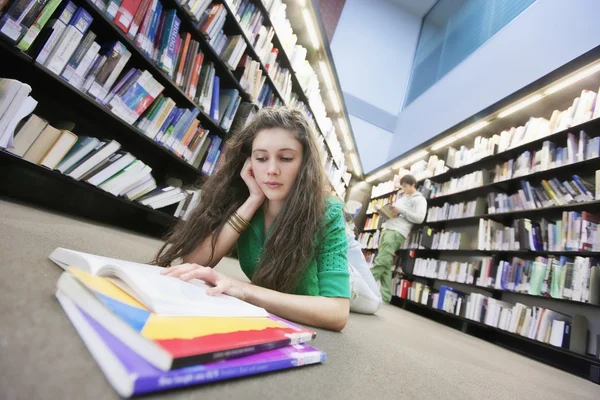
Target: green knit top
x,y
326,274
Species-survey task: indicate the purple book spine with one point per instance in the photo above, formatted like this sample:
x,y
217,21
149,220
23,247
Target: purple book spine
x,y
188,377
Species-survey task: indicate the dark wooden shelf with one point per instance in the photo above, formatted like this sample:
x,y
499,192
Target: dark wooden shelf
x,y
501,291
33,183
523,252
250,49
131,134
575,363
284,60
537,212
501,185
171,89
485,162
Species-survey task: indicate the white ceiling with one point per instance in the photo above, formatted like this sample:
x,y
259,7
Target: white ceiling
x,y
415,7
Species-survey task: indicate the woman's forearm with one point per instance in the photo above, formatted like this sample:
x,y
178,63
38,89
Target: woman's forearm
x,y
321,312
227,238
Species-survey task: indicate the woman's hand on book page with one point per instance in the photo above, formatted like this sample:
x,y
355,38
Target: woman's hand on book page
x,y
248,177
222,283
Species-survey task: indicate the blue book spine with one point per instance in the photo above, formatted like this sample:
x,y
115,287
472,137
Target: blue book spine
x,y
211,154
166,124
214,107
153,28
183,128
169,42
170,128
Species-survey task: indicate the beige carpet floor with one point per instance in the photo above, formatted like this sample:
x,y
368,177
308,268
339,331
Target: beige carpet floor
x,y
392,355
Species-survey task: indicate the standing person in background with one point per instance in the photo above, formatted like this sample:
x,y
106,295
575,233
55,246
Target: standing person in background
x,y
409,209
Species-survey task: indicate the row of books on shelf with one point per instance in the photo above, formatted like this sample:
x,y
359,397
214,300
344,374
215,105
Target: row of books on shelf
x,y
101,163
575,231
584,108
180,133
425,169
382,201
578,149
548,193
576,279
136,362
536,323
463,209
69,49
369,240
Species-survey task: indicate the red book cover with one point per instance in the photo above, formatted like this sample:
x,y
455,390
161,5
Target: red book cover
x,y
195,74
124,16
137,19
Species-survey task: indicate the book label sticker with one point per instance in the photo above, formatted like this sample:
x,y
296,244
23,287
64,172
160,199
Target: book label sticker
x,y
12,29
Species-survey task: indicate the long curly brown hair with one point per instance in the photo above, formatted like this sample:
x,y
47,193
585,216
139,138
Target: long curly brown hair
x,y
291,245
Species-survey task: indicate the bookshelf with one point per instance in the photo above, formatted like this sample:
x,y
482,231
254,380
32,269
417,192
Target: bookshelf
x,y
453,216
577,364
59,100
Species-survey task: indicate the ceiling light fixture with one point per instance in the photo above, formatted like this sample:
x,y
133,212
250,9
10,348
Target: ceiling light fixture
x,y
472,129
310,26
378,175
334,101
355,163
582,73
443,143
326,75
520,105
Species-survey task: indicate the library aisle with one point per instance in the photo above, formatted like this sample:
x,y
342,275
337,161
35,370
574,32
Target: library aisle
x,y
394,354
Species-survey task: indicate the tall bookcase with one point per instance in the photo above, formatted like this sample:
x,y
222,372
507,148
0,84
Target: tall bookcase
x,y
58,101
472,277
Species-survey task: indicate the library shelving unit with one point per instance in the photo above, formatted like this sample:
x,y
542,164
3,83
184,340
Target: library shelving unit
x,y
59,101
556,91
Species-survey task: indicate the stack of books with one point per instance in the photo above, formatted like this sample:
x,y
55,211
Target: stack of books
x,y
150,332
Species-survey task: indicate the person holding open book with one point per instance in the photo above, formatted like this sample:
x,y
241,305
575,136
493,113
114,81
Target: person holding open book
x,y
407,210
269,197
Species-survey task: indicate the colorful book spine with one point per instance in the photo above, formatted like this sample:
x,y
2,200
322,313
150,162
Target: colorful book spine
x,y
214,106
213,152
78,55
57,27
117,56
113,8
138,18
77,78
168,43
35,29
137,376
124,16
69,41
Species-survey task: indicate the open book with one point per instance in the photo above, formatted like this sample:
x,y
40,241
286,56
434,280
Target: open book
x,y
164,295
387,211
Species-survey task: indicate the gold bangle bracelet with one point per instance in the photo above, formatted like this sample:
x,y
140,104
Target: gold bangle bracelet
x,y
245,224
233,225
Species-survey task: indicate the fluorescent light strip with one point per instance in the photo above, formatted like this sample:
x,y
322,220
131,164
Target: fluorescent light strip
x,y
302,3
472,129
573,78
443,143
334,101
356,163
410,159
520,105
378,175
310,26
326,75
345,133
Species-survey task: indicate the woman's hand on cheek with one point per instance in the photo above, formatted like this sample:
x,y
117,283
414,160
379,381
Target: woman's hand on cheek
x,y
221,283
248,176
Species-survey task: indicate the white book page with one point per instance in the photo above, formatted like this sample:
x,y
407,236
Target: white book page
x,y
170,296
